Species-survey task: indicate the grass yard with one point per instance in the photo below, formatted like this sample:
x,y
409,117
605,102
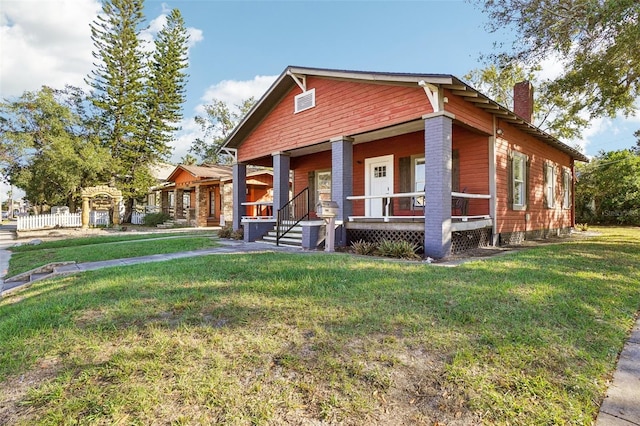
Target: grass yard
x,y
91,249
531,337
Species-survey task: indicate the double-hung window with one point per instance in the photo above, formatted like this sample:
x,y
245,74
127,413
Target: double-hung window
x,y
323,185
418,180
566,188
519,181
550,184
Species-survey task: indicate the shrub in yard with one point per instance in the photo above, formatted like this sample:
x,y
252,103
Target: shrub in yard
x,y
399,249
153,219
238,234
363,247
225,232
582,226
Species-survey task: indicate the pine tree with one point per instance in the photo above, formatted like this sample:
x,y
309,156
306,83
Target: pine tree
x,y
118,80
140,100
165,91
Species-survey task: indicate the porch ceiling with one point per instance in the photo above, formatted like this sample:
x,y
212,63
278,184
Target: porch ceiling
x,y
385,132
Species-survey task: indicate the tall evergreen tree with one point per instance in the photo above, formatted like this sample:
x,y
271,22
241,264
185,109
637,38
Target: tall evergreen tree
x,y
118,79
140,100
165,91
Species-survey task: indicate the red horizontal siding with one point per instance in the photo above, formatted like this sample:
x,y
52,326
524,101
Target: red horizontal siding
x,y
342,108
538,152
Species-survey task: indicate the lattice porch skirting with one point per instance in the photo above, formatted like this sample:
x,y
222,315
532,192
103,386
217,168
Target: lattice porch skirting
x,y
460,240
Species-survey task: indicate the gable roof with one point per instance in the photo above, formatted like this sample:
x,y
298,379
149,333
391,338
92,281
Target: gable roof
x,y
284,83
215,171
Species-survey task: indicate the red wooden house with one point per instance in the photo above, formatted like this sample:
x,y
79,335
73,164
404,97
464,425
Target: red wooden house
x,y
202,195
420,157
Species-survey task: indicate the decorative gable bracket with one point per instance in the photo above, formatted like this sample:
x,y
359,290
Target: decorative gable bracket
x,y
433,94
300,80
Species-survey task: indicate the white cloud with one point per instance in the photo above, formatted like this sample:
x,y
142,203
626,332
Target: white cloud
x,y
45,43
184,138
232,92
48,42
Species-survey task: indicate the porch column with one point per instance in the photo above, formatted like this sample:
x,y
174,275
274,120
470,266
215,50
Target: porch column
x,y
239,194
281,168
164,202
438,129
342,182
178,211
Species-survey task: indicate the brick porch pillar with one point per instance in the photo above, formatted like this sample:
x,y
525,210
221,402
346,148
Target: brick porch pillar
x,y
239,194
342,183
164,202
281,168
178,212
438,164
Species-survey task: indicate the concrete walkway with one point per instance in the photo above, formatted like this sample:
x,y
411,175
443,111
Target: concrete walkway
x,y
621,406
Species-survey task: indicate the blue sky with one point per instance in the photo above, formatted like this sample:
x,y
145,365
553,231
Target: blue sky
x,y
239,47
245,39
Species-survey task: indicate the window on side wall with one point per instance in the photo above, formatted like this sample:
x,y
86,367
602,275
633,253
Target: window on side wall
x,y
550,185
418,180
323,186
519,181
566,188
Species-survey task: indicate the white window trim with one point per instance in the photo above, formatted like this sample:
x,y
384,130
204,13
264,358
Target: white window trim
x,y
567,182
419,201
551,184
317,183
518,156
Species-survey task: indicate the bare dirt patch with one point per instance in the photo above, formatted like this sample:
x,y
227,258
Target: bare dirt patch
x,y
13,391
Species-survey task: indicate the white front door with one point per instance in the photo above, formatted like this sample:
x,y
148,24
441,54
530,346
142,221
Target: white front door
x,y
378,181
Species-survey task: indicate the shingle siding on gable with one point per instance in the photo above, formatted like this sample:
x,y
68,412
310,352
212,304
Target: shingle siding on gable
x,y
342,108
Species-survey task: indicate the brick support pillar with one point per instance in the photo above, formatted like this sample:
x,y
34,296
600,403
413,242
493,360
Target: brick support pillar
x,y
239,194
281,168
342,183
178,212
164,202
202,212
438,164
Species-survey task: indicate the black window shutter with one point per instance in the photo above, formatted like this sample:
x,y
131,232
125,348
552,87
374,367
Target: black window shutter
x,y
405,182
455,170
313,198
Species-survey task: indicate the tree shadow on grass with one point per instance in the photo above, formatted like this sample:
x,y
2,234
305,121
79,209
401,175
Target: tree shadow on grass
x,y
492,327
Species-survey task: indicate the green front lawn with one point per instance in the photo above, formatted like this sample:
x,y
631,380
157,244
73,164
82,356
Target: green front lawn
x,y
91,249
531,337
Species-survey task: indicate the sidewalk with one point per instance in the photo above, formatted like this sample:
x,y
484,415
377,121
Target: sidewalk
x,y
621,406
227,247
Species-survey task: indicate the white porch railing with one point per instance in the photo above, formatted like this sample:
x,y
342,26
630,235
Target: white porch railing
x,y
263,210
415,198
137,218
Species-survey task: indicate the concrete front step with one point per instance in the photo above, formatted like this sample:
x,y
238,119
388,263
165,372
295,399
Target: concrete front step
x,y
294,242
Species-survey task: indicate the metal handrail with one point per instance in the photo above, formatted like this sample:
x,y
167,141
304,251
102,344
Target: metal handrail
x,y
294,212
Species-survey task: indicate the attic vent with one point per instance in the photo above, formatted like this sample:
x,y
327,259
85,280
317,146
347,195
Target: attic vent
x,y
305,101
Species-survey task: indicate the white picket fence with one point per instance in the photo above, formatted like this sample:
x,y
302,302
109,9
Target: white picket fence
x,y
69,220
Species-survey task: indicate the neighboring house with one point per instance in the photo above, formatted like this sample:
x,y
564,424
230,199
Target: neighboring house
x,y
160,172
201,195
419,157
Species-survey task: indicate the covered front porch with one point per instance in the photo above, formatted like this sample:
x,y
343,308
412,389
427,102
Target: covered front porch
x,y
428,181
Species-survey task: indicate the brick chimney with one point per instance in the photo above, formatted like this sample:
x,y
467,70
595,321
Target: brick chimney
x,y
523,100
